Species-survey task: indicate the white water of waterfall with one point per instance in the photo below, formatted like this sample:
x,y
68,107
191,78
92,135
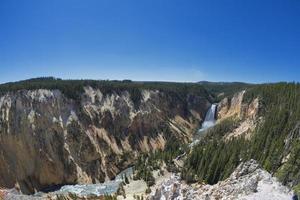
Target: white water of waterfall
x,y
209,120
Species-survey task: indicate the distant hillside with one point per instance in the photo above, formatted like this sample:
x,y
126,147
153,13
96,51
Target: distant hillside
x,y
74,88
223,89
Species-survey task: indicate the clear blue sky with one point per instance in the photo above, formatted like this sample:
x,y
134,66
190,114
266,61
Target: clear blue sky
x,y
171,40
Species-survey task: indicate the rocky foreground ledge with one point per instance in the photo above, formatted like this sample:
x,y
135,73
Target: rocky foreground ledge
x,y
248,182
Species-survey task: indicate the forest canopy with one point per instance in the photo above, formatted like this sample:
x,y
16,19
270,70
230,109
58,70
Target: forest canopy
x,y
74,88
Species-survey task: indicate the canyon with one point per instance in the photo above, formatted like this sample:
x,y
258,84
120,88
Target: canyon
x,y
55,145
48,139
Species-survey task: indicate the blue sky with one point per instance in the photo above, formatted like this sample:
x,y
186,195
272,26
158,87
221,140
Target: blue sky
x,y
171,40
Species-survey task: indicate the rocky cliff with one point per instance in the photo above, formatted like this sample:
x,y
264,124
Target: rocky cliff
x,y
236,107
48,139
247,113
248,181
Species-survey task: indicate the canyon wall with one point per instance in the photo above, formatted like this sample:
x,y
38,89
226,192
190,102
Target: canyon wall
x,y
246,113
47,139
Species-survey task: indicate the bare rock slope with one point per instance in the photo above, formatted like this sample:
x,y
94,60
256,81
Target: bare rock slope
x,y
47,139
248,182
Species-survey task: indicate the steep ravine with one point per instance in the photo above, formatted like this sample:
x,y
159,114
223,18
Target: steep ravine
x,y
91,140
47,139
248,180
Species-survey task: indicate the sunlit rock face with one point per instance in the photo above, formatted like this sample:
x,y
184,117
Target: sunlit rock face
x,y
229,107
47,139
235,107
247,113
248,182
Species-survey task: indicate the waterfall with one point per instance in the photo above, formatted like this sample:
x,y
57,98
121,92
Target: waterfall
x,y
210,119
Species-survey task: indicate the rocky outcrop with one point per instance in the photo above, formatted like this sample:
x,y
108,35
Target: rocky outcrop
x,y
235,107
245,113
248,181
47,139
229,107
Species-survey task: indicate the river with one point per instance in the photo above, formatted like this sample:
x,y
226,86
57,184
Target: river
x,y
106,188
